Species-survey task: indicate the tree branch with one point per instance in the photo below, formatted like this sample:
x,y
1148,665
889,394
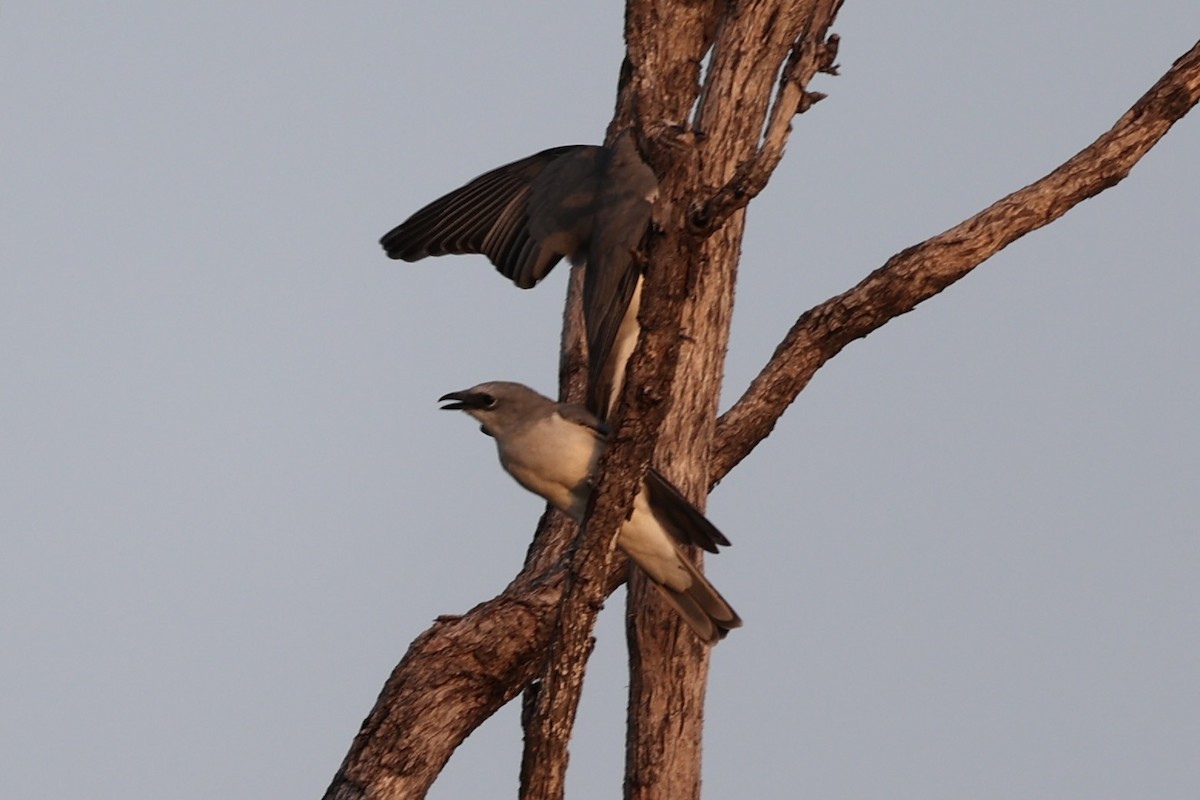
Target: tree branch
x,y
464,668
921,271
646,396
455,675
813,51
664,92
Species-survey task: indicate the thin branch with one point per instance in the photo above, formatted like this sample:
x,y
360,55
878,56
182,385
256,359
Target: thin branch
x,y
646,398
920,272
813,51
657,84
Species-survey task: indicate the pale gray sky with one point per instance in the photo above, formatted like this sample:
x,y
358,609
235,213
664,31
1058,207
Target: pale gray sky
x,y
967,558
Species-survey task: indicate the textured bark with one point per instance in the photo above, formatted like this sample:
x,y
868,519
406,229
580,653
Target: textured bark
x,y
463,668
668,666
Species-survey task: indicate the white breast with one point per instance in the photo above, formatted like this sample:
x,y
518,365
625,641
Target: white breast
x,y
553,458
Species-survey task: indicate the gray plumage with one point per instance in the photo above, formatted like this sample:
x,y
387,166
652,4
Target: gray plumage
x,y
552,450
591,204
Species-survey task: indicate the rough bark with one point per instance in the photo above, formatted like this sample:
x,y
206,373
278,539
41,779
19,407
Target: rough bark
x,y
464,668
668,667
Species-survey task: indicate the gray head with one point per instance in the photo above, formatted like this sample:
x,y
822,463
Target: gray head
x,y
500,406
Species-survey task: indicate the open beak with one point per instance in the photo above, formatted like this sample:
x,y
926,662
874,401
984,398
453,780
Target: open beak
x,y
465,400
458,401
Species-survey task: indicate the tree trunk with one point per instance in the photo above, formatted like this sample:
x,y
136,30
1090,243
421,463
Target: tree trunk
x,y
750,45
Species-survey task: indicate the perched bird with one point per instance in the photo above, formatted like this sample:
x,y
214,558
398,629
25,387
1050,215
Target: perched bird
x,y
589,203
552,450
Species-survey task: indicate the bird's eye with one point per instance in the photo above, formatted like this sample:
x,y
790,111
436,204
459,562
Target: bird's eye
x,y
487,401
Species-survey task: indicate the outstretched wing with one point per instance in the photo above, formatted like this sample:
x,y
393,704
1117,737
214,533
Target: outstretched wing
x,y
491,216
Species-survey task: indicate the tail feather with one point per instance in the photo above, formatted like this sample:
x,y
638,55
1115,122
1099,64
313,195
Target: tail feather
x,y
701,606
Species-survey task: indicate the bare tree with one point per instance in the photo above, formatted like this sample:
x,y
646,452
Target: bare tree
x,y
713,136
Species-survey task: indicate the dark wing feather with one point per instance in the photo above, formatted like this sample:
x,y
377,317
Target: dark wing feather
x,y
463,221
490,216
623,210
680,517
608,285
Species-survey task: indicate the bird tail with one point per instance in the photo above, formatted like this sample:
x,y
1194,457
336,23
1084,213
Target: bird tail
x,y
701,605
